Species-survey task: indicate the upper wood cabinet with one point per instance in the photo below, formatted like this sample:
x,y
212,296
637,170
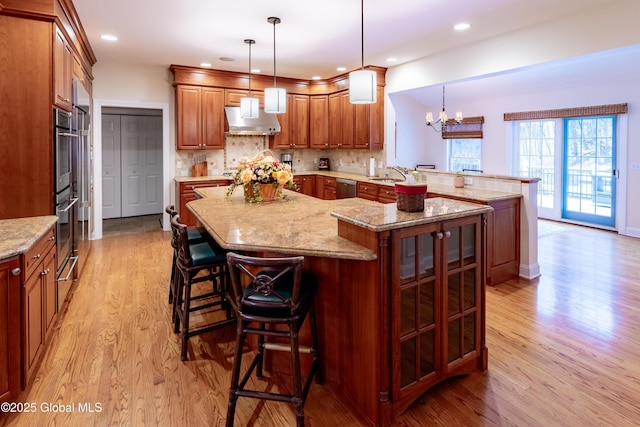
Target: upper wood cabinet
x,y
199,117
62,72
232,97
319,121
356,125
294,124
341,113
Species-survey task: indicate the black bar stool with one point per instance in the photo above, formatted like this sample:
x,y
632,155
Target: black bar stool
x,y
278,294
195,235
193,259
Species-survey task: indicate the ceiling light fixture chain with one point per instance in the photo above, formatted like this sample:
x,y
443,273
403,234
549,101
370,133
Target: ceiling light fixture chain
x,y
442,119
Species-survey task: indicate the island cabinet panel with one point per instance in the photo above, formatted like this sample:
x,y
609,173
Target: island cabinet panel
x,y
9,329
39,305
319,121
199,118
436,306
503,238
185,193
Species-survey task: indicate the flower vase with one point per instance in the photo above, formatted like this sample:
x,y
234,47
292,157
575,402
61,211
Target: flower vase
x,y
458,181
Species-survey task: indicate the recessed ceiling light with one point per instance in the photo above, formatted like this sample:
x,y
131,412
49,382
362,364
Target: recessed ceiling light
x,y
462,26
341,68
226,59
109,37
205,64
316,78
392,59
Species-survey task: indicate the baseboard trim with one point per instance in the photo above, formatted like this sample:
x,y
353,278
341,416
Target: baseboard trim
x,y
529,272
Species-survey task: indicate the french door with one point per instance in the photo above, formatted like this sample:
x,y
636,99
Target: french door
x,y
575,161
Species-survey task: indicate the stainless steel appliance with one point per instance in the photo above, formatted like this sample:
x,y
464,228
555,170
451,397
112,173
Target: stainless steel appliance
x,y
81,188
346,188
63,140
287,158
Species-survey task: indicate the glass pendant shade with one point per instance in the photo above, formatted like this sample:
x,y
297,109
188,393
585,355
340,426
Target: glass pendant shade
x,y
275,100
362,87
249,108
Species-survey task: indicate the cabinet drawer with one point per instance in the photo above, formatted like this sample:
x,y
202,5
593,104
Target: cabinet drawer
x,y
386,194
36,253
367,191
329,182
189,187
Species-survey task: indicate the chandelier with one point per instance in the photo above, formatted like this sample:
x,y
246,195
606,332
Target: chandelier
x,y
442,119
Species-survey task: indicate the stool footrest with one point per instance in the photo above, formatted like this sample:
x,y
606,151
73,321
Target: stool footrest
x,y
285,347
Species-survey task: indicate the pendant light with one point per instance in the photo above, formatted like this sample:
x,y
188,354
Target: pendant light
x,y
275,99
249,108
362,83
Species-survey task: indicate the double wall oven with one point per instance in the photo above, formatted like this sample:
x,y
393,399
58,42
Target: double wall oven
x,y
65,142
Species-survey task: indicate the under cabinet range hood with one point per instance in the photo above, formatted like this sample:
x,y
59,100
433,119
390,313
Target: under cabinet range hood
x,y
265,124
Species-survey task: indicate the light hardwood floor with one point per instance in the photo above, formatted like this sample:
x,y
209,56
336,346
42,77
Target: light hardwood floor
x,y
564,350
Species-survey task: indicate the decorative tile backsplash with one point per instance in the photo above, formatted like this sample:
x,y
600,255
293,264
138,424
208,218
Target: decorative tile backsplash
x,y
236,146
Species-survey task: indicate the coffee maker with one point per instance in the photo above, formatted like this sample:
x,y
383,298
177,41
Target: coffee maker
x,y
287,158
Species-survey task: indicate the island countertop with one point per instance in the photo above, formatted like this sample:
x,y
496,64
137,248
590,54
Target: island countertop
x,y
304,225
19,234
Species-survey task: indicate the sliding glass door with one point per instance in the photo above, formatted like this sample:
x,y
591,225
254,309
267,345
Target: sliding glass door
x,y
588,170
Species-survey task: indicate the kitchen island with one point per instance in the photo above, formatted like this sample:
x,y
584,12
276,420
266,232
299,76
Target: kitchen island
x,y
400,304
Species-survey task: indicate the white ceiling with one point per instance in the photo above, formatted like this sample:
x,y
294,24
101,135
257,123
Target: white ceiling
x,y
313,38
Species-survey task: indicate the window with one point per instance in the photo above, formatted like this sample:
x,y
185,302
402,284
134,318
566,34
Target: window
x,y
464,154
536,147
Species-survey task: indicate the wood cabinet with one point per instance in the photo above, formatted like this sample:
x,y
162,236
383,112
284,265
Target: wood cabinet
x,y
39,306
185,193
306,184
326,187
356,126
294,124
232,97
386,194
503,238
319,121
62,72
9,329
368,191
199,117
341,114
437,303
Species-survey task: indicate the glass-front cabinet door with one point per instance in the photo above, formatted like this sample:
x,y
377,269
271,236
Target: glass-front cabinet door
x,y
436,271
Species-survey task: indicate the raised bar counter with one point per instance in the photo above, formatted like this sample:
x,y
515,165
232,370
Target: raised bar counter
x,y
401,296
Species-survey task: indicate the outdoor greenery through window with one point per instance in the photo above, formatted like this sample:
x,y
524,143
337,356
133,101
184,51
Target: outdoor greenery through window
x,y
464,154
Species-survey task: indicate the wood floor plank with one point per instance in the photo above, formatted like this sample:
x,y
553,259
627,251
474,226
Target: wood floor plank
x,y
563,349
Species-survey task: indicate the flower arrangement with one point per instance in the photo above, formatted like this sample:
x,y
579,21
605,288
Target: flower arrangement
x,y
261,169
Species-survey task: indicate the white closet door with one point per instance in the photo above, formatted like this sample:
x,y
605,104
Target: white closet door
x,y
141,157
111,174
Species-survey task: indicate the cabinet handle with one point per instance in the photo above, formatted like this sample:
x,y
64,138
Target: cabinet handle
x,y
16,271
440,235
447,233
45,272
52,238
36,256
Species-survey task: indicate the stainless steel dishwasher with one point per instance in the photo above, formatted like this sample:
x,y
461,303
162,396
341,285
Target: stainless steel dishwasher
x,y
346,188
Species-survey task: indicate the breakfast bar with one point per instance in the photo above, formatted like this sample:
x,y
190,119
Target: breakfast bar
x,y
400,303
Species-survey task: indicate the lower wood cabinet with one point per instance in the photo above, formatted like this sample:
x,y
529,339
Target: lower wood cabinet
x,y
185,193
9,329
326,188
376,193
306,184
437,306
39,306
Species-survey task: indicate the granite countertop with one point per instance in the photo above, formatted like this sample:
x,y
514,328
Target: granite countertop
x,y
467,193
19,234
306,225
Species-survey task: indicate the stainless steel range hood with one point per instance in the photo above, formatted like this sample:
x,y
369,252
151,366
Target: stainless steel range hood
x,y
265,124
